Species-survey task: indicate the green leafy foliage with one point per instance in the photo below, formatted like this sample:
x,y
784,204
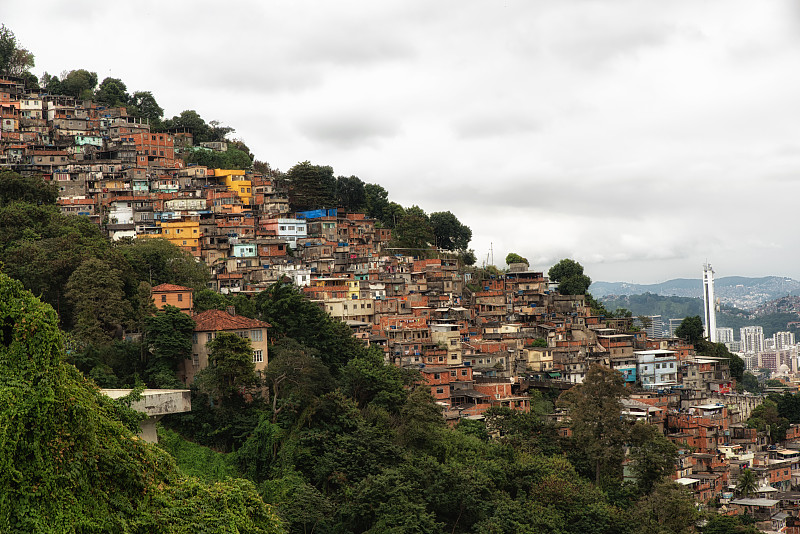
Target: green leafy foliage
x,y
67,462
766,418
14,61
690,329
112,92
168,334
513,257
569,275
449,232
232,158
350,194
653,456
30,189
195,460
598,429
311,187
230,368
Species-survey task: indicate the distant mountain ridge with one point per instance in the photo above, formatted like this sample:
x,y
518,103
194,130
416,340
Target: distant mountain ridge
x,y
739,291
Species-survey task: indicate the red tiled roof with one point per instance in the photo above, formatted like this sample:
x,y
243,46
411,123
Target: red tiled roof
x,y
170,287
216,320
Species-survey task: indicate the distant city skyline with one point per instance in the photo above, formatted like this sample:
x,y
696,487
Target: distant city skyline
x,y
640,139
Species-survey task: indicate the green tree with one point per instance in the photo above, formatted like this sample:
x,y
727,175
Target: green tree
x,y
667,510
449,232
232,158
218,131
351,194
14,61
598,429
192,120
377,202
569,275
96,291
513,257
112,92
414,230
158,261
169,339
467,257
311,186
295,376
747,483
143,104
31,189
79,83
653,456
368,380
766,418
230,370
691,329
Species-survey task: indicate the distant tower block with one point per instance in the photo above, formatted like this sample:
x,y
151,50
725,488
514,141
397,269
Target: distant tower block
x,y
709,303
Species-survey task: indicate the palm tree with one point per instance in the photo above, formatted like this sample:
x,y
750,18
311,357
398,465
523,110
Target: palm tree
x,y
746,484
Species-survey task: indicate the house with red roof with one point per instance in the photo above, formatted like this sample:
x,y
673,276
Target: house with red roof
x,y
173,295
209,324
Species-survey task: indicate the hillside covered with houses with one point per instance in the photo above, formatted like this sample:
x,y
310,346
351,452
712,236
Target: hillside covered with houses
x,y
491,347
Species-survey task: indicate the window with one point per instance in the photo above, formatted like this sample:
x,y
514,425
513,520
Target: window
x,y
195,360
194,337
439,390
256,335
180,297
436,376
210,337
163,298
258,356
452,373
463,372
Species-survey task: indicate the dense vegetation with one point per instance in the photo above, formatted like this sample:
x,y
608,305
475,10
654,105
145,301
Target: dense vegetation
x,y
68,463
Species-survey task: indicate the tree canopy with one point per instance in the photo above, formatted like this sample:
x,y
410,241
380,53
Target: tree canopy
x,y
14,60
691,329
513,257
569,275
449,232
311,186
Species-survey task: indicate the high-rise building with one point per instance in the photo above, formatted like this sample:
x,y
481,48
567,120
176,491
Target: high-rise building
x,y
655,328
783,340
724,335
751,339
709,303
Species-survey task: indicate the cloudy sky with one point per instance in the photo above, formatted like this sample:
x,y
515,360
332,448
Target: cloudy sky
x,y
638,137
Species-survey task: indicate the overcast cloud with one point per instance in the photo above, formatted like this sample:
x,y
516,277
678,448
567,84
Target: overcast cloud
x,y
641,138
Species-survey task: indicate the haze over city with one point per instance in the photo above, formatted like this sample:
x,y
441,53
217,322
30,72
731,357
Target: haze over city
x,y
639,138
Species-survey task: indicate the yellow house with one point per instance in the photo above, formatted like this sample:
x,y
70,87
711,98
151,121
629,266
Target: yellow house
x,y
353,289
184,234
236,182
